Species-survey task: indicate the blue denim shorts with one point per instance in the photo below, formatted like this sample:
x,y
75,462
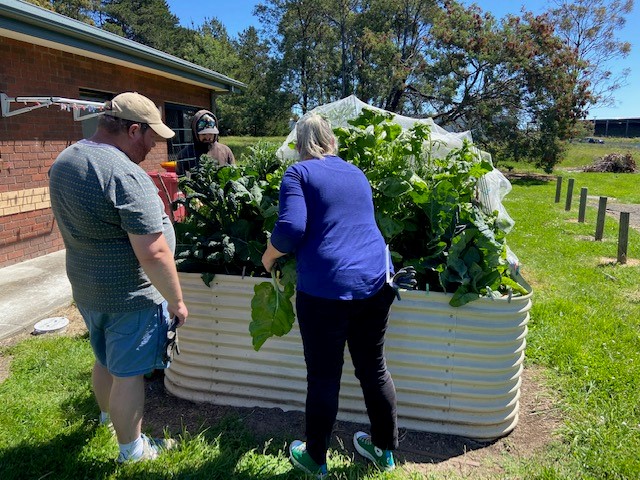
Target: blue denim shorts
x,y
129,343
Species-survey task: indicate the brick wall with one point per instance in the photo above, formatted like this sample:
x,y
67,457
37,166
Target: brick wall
x,y
30,142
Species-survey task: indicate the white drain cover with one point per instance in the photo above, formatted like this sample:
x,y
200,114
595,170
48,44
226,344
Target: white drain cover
x,y
49,325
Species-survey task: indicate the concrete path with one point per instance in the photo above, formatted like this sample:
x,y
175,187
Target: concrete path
x,y
30,291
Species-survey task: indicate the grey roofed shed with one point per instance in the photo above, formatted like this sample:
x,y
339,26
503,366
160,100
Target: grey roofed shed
x,y
26,22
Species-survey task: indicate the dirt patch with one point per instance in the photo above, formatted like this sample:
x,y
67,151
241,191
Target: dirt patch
x,y
419,452
5,364
529,178
610,262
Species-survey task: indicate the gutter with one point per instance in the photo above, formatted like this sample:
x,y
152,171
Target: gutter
x,y
27,22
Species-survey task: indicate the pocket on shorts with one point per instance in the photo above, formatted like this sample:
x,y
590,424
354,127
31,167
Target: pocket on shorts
x,y
126,324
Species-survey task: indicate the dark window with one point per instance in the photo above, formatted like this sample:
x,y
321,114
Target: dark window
x,y
178,119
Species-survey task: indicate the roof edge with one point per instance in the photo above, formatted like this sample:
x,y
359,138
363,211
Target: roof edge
x,y
56,27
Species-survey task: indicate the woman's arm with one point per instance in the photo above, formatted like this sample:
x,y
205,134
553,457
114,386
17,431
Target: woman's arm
x,y
270,255
292,218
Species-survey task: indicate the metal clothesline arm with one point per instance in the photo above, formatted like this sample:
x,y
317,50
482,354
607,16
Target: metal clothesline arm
x,y
42,101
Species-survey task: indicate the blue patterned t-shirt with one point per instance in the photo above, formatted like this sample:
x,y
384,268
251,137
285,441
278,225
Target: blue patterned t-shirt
x,y
98,197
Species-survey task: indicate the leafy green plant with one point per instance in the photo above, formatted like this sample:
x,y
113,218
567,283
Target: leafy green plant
x,y
230,210
426,208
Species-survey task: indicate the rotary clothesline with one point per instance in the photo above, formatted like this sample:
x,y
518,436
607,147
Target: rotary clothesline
x,y
66,104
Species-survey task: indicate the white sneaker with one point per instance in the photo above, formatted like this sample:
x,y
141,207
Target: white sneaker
x,y
151,448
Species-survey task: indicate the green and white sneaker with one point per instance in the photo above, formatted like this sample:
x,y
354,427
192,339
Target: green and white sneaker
x,y
383,459
151,448
301,459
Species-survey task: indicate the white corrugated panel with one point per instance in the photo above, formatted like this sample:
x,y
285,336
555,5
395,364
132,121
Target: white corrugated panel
x,y
456,370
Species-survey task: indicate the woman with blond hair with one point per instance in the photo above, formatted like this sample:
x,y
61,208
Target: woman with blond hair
x,y
327,220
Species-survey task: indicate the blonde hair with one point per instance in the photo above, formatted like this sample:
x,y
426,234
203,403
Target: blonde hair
x,y
314,137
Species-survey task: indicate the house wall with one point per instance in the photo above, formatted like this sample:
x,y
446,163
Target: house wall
x,y
30,142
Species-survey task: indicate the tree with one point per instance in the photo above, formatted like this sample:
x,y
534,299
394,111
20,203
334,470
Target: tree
x,y
83,10
306,46
340,14
211,47
145,21
263,107
556,100
469,78
510,82
590,28
395,37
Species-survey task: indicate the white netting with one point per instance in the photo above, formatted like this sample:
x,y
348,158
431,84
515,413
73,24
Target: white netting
x,y
491,188
339,112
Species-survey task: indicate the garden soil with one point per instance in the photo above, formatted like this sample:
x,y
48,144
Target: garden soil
x,y
419,452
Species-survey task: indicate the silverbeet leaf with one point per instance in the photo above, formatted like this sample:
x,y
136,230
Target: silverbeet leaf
x,y
271,312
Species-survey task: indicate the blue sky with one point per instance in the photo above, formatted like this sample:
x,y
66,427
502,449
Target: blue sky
x,y
238,15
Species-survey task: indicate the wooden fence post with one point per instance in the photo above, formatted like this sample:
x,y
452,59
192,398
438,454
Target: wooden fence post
x,y
623,237
567,205
602,212
558,189
583,204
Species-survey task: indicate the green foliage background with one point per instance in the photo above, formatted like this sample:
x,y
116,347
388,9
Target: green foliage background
x,y
519,83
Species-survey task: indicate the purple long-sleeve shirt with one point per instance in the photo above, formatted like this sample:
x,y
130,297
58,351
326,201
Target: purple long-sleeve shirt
x,y
327,218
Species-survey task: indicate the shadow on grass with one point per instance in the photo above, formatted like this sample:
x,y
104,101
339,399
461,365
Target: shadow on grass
x,y
56,458
269,431
529,179
219,443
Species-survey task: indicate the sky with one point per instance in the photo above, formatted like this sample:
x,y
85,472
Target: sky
x,y
237,15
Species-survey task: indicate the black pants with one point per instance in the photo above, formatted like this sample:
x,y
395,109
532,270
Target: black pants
x,y
326,325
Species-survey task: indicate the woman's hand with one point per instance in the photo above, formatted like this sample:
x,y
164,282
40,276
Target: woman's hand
x,y
269,257
267,262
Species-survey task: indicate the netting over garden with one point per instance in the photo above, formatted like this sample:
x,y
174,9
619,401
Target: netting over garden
x,y
341,111
492,188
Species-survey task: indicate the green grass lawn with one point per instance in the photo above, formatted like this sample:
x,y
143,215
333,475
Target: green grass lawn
x,y
580,154
585,329
241,146
584,334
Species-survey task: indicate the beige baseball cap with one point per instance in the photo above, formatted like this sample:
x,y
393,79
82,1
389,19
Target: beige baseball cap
x,y
138,108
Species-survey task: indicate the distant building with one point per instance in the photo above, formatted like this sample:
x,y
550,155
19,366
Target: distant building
x,y
617,127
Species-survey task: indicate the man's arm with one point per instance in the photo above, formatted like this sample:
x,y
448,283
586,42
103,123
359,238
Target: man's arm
x,y
232,159
156,259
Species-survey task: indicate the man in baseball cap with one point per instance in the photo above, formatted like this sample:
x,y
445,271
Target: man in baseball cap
x,y
138,108
205,134
119,248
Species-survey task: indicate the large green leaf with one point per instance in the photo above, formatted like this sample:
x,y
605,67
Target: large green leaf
x,y
271,312
389,226
393,186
